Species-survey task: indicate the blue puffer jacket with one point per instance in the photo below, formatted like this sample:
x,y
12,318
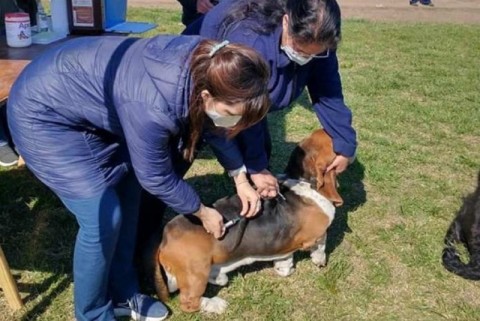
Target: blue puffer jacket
x,y
88,110
287,82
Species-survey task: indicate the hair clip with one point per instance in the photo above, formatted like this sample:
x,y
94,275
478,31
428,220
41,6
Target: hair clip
x,y
217,47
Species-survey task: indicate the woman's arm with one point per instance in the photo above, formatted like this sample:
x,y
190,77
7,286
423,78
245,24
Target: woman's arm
x,y
230,157
148,135
325,88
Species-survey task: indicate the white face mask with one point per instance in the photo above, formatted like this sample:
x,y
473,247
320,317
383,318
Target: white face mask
x,y
227,121
295,56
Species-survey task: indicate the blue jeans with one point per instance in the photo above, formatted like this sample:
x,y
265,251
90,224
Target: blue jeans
x,y
103,269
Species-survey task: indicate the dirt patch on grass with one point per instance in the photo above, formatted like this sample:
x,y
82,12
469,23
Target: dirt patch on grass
x,y
167,4
444,11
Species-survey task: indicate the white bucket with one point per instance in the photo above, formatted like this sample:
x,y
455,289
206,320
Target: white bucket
x,y
17,27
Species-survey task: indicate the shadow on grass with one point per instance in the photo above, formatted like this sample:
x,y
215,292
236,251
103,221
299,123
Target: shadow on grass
x,y
37,236
46,300
353,193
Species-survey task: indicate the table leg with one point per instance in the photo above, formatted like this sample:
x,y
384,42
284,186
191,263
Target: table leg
x,y
7,283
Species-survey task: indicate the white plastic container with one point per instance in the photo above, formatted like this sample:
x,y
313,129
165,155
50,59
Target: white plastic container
x,y
17,27
42,18
59,12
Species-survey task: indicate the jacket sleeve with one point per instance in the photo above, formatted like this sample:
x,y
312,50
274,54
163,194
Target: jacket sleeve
x,y
148,135
253,143
325,88
194,27
226,150
247,149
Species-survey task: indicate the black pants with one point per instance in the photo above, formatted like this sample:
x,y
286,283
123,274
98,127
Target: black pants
x,y
152,211
189,11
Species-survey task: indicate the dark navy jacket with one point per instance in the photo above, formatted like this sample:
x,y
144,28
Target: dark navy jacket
x,y
75,111
287,82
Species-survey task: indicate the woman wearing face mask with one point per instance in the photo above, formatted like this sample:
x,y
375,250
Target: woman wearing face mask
x,y
97,117
298,39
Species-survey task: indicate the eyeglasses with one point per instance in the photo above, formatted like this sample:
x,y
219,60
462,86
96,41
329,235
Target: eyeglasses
x,y
295,47
323,55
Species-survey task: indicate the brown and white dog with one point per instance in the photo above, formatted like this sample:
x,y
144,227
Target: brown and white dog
x,y
188,257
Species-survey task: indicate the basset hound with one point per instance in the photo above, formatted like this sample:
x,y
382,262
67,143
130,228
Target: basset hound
x,y
188,257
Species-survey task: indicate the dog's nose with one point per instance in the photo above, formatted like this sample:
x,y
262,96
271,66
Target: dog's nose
x,y
337,203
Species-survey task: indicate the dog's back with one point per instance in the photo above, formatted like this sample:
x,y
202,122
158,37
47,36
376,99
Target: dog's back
x,y
465,229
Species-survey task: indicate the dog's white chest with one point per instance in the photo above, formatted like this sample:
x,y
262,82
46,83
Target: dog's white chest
x,y
303,189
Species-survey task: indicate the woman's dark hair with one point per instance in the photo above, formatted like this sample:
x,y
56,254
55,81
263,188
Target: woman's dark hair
x,y
265,15
310,21
233,74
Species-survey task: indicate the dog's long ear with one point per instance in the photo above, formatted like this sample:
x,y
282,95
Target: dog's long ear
x,y
329,187
319,175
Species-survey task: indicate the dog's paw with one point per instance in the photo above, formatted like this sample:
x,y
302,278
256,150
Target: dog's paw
x,y
220,279
213,305
285,267
171,282
319,258
284,271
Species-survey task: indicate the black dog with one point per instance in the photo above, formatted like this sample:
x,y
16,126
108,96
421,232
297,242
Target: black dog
x,y
465,229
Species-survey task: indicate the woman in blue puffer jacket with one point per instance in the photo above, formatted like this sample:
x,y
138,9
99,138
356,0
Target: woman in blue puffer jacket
x,y
97,117
298,39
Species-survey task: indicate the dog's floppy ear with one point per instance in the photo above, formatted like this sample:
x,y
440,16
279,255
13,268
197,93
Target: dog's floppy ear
x,y
328,187
319,175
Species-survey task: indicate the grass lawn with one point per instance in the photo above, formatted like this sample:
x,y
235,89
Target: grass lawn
x,y
415,93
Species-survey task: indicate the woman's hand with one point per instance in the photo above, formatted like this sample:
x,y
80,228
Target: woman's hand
x,y
203,6
266,183
212,221
248,196
339,164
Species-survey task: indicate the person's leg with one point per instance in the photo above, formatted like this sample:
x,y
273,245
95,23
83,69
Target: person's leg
x,y
3,126
7,155
149,223
123,277
189,11
426,3
105,282
123,286
99,220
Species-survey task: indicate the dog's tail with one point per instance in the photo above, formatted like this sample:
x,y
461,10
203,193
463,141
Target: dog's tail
x,y
451,258
160,280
